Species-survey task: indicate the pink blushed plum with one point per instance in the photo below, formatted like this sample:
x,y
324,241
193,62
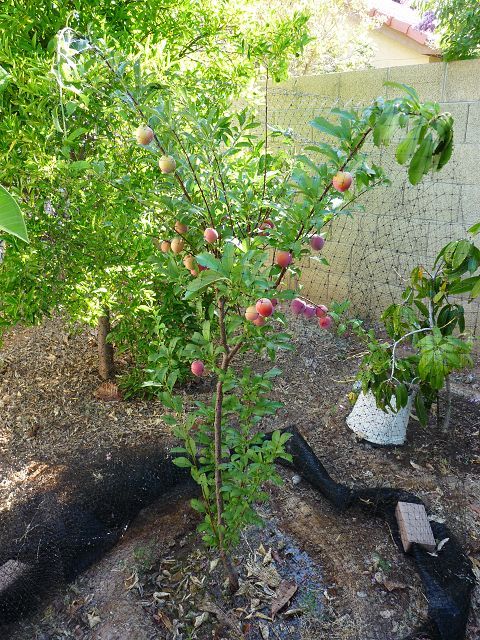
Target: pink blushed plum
x,y
259,322
342,181
264,227
197,367
321,311
317,242
264,307
283,259
325,322
309,311
210,235
297,306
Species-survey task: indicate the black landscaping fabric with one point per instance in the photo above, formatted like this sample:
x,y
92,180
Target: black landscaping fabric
x,y
56,535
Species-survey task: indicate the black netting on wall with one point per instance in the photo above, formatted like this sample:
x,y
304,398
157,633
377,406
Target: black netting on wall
x,y
401,226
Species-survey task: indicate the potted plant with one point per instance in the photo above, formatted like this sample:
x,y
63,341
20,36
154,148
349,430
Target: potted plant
x,y
413,365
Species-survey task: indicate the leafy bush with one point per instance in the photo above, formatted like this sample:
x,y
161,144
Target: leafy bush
x,y
425,321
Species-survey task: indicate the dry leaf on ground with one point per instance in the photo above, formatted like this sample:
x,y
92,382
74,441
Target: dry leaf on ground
x,y
285,593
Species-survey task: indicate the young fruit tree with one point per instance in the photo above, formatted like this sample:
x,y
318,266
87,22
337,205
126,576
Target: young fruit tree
x,y
236,218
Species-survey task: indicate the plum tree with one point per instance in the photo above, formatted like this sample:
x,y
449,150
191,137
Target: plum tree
x,y
225,185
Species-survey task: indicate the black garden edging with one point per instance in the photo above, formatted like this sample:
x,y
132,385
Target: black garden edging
x,y
52,539
448,579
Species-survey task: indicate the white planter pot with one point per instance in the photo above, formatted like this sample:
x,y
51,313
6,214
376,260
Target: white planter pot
x,y
377,426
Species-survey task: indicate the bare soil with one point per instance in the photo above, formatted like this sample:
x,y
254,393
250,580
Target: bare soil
x,y
358,586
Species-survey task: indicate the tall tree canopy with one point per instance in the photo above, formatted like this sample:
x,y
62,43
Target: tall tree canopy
x,y
457,25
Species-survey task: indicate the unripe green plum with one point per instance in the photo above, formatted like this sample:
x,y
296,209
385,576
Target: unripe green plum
x,y
167,164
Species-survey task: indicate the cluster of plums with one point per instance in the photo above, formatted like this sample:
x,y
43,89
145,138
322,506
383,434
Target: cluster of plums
x,y
177,245
144,136
320,311
264,307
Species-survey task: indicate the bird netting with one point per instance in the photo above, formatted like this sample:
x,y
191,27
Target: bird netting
x,y
398,227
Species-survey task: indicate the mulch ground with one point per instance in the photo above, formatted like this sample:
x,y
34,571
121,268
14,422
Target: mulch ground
x,y
360,586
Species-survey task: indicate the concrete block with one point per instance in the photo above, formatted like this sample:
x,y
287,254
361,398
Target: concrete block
x,y
361,87
325,85
470,204
473,123
426,79
438,201
461,168
414,526
462,81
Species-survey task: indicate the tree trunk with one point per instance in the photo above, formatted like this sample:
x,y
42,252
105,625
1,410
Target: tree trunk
x,y
448,406
226,560
106,368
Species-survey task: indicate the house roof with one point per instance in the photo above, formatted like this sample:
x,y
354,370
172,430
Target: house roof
x,y
401,18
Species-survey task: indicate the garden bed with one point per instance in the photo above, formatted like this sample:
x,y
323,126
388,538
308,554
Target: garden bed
x,y
363,588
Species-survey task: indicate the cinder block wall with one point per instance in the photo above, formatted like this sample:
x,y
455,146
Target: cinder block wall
x,y
371,254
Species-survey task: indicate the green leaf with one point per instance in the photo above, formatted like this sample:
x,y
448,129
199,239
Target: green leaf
x,y
401,396
327,127
420,409
182,462
467,284
474,229
421,161
209,261
476,289
197,505
406,148
461,252
326,150
348,115
11,218
79,165
410,90
201,282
